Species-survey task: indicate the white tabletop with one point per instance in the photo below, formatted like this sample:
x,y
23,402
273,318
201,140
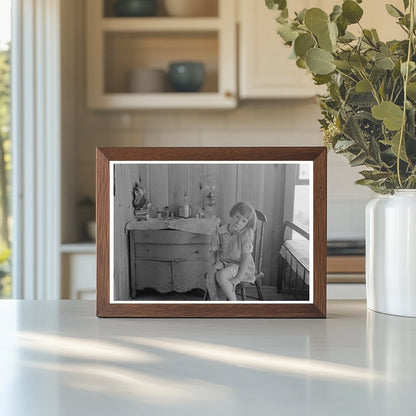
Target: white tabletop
x,y
57,358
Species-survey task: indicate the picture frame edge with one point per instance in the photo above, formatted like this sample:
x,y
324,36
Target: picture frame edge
x,y
105,155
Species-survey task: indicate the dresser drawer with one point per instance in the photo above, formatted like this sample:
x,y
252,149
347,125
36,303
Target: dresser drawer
x,y
169,237
172,251
189,275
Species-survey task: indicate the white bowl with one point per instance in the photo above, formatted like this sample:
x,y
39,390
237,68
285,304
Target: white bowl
x,y
147,80
191,8
92,230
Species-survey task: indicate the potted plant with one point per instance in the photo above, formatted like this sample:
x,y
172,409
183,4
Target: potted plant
x,y
368,116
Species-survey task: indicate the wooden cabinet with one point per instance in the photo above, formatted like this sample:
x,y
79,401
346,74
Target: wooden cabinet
x,y
168,260
118,45
78,264
346,269
265,69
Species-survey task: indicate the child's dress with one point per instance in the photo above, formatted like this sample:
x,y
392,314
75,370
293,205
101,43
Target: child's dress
x,y
230,246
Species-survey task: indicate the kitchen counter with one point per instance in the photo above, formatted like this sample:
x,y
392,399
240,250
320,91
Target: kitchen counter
x,y
57,358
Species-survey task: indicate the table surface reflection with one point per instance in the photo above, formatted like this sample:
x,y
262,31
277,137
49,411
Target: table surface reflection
x,y
57,358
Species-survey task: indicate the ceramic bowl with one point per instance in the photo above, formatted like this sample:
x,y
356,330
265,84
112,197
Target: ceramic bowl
x,y
135,8
191,8
147,80
186,76
92,230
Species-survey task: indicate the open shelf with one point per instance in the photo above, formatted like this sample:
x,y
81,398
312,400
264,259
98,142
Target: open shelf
x,y
210,9
127,51
80,247
118,45
160,24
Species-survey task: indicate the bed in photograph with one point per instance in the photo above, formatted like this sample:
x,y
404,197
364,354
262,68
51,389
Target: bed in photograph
x,y
293,265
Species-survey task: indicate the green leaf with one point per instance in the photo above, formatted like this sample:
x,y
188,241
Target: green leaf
x,y
368,36
287,33
333,32
377,75
316,20
343,145
301,15
412,67
374,150
375,35
281,19
393,11
354,132
345,65
406,4
303,43
336,12
321,79
347,37
319,61
365,182
342,25
325,42
363,86
394,145
351,11
382,89
358,160
411,90
384,62
358,61
411,123
301,63
391,114
405,21
276,4
374,174
362,99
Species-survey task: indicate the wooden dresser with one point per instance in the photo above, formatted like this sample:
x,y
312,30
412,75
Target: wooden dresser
x,y
168,260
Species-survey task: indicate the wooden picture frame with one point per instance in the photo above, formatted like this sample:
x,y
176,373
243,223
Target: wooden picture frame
x,y
270,157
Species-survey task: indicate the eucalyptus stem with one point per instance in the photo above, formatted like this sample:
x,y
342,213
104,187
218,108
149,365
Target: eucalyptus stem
x,y
373,88
346,75
406,79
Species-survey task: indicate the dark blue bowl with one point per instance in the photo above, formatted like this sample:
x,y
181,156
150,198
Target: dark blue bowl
x,y
186,76
135,8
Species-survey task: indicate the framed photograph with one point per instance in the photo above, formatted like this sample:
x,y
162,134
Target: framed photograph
x,y
211,232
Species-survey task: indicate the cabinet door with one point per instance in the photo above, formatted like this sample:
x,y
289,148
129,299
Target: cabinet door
x,y
266,71
78,276
116,46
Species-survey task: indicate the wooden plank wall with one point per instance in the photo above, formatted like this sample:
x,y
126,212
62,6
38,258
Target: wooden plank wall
x,y
262,185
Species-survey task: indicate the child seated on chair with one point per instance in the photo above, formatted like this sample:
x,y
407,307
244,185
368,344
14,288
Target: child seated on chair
x,y
232,247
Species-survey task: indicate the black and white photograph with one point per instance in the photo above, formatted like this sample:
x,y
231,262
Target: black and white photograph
x,y
211,232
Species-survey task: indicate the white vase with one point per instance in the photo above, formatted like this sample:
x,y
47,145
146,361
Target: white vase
x,y
391,253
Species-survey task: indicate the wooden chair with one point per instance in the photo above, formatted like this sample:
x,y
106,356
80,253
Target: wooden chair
x,y
258,242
